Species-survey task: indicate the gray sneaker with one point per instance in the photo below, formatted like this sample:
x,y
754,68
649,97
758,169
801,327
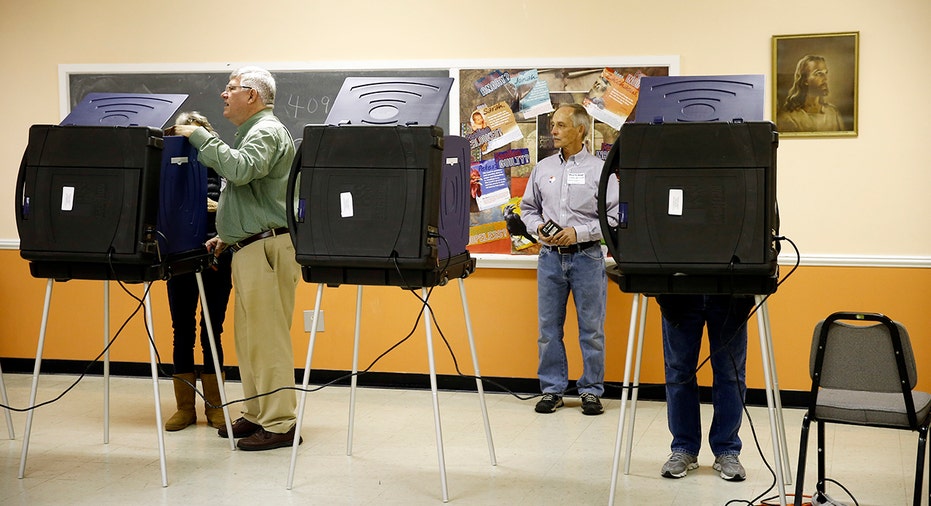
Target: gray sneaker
x,y
679,464
730,468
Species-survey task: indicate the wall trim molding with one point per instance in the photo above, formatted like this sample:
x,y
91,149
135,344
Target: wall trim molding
x,y
506,261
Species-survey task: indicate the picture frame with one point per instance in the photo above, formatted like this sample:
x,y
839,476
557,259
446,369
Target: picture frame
x,y
815,84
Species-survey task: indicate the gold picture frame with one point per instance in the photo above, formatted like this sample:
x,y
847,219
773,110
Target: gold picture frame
x,y
815,80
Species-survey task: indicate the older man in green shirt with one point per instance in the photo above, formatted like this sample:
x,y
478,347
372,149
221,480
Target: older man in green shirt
x,y
252,221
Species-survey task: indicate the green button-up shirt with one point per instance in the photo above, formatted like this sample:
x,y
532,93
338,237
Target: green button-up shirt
x,y
256,169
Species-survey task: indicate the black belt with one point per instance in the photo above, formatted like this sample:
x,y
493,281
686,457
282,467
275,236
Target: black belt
x,y
572,248
258,237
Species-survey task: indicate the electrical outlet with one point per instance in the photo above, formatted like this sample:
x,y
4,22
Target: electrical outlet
x,y
309,321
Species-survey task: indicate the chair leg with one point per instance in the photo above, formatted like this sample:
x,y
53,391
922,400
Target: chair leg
x,y
819,487
802,455
920,464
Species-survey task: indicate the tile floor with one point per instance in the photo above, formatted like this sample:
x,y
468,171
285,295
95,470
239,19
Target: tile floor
x,y
555,459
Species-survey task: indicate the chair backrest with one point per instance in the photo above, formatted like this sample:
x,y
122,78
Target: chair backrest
x,y
862,356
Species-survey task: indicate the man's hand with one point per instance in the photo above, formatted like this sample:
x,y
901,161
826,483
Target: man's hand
x,y
565,237
215,246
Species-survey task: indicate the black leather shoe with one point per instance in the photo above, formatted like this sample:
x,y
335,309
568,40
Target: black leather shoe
x,y
264,440
241,428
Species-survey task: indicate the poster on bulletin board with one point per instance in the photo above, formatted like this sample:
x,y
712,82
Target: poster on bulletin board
x,y
505,114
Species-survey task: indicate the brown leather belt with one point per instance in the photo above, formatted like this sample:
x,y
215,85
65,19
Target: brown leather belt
x,y
258,237
572,248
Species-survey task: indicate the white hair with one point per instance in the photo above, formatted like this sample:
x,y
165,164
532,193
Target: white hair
x,y
259,80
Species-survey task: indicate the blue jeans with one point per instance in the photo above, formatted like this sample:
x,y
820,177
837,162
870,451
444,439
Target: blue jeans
x,y
583,274
684,318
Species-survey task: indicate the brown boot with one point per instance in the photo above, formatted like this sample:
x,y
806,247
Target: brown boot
x,y
184,396
215,416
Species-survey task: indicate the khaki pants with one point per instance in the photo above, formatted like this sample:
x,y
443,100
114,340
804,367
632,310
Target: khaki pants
x,y
265,277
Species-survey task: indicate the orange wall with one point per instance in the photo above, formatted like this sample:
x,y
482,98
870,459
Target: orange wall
x,y
502,304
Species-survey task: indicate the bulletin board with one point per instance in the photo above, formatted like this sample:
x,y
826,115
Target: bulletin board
x,y
505,113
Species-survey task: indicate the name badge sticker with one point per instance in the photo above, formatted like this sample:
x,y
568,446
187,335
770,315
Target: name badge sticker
x,y
576,178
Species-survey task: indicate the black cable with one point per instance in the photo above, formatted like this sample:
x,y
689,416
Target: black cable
x,y
86,368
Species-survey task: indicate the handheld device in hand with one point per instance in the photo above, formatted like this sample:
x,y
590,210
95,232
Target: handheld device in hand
x,y
550,228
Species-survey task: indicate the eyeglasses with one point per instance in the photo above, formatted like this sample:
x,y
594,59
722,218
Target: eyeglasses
x,y
230,89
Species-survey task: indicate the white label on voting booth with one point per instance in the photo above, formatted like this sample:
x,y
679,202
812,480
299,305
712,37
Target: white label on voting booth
x,y
675,202
67,198
345,205
178,160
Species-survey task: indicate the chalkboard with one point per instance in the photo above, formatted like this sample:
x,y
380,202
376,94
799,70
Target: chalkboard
x,y
303,97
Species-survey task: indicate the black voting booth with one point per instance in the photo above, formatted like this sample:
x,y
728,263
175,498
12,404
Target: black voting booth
x,y
104,195
697,190
697,214
379,196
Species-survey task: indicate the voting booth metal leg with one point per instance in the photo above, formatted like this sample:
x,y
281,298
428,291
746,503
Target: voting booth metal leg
x,y
773,401
6,412
632,336
780,421
158,404
38,365
35,377
214,356
306,380
478,374
440,455
353,382
106,362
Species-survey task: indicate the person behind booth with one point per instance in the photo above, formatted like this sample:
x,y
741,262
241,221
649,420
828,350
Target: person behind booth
x,y
252,222
560,205
684,319
183,295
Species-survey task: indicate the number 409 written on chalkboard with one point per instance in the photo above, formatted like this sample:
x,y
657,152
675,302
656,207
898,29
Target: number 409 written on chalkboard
x,y
300,106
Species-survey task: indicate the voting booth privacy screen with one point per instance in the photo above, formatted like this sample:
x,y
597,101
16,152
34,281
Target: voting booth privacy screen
x,y
380,205
379,196
102,196
89,194
697,198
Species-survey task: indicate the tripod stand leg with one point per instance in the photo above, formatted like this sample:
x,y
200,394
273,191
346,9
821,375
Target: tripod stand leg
x,y
634,311
765,350
440,456
106,362
158,403
304,383
478,375
6,412
216,358
641,329
355,369
35,378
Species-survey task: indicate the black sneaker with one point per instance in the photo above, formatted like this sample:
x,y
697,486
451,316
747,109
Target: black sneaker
x,y
549,403
591,404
